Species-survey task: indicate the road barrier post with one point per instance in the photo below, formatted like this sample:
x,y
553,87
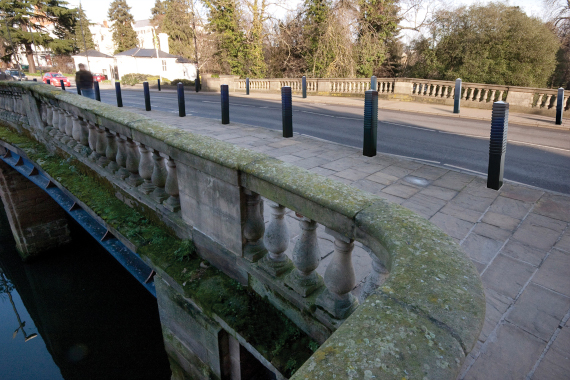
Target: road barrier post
x,y
158,80
370,123
373,83
224,89
457,95
181,103
498,144
146,96
97,92
304,86
48,81
35,79
62,84
119,96
287,111
247,86
197,84
559,106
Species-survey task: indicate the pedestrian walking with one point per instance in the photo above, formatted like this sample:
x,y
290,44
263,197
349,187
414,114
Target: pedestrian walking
x,y
84,81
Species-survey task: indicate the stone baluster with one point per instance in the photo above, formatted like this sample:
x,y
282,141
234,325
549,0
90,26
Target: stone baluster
x,y
492,97
75,132
375,278
133,163
171,187
475,94
340,279
101,147
92,128
539,100
501,92
54,121
159,175
121,159
48,117
548,99
145,169
444,91
276,240
437,90
68,128
82,145
111,151
464,95
483,95
43,117
61,121
253,228
306,258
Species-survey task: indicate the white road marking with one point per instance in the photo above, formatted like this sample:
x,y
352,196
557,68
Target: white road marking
x,y
460,168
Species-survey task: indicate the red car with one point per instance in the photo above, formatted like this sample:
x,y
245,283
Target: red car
x,y
54,79
98,77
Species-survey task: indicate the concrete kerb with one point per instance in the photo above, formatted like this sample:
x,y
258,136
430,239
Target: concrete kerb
x,y
432,313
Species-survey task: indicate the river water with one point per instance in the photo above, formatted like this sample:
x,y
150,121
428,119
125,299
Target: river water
x,y
75,313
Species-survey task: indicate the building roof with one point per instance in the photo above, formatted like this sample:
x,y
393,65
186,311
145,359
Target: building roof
x,y
141,23
93,53
146,53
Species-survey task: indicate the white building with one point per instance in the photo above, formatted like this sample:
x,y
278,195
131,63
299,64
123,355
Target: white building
x,y
103,37
145,61
96,62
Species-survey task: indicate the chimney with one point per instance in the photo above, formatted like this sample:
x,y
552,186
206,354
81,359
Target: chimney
x,y
163,42
105,24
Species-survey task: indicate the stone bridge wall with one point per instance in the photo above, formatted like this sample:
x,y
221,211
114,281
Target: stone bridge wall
x,y
420,322
540,101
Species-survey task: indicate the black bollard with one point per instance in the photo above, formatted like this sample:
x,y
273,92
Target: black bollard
x,y
97,92
197,84
498,144
48,81
559,105
304,86
146,96
373,83
247,86
181,103
457,95
78,91
62,84
158,80
370,123
119,96
287,110
225,103
35,79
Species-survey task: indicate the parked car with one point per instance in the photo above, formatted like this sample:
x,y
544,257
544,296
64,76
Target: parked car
x,y
5,76
54,79
99,77
17,75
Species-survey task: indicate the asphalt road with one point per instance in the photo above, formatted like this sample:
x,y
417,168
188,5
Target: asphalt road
x,y
535,156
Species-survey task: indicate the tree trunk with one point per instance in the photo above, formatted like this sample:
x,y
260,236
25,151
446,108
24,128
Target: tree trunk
x,y
30,56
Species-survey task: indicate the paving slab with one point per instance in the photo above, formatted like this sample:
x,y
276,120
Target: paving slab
x,y
518,239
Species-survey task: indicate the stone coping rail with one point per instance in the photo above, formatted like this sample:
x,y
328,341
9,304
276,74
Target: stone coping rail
x,y
531,100
421,322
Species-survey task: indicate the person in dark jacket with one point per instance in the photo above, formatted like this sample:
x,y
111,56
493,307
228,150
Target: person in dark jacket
x,y
84,81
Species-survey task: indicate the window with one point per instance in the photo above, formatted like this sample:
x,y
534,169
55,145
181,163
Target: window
x,y
163,65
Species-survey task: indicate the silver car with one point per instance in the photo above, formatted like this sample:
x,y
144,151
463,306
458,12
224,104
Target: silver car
x,y
17,75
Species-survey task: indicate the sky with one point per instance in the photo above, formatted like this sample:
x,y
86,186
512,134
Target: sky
x,y
96,10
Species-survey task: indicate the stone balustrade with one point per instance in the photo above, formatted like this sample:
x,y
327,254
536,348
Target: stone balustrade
x,y
422,307
521,99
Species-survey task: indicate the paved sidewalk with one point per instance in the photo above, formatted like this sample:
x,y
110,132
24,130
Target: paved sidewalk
x,y
518,238
415,107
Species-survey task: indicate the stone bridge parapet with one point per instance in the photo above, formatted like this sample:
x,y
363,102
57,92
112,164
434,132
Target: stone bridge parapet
x,y
423,305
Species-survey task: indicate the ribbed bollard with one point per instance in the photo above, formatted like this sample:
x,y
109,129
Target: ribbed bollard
x,y
158,81
247,86
559,106
97,92
304,86
146,96
35,79
370,123
224,89
498,144
287,111
373,83
181,103
48,81
457,95
78,91
62,84
197,84
119,96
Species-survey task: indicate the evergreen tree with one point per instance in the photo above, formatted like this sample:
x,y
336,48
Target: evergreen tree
x,y
317,14
124,36
224,19
255,61
26,20
177,24
158,12
82,36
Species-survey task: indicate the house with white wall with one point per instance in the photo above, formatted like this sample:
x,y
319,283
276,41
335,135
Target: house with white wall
x,y
96,62
146,61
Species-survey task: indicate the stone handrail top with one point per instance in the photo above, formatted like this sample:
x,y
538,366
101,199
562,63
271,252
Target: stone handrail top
x,y
422,321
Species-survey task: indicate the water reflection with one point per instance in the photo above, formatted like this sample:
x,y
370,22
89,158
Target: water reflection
x,y
89,318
